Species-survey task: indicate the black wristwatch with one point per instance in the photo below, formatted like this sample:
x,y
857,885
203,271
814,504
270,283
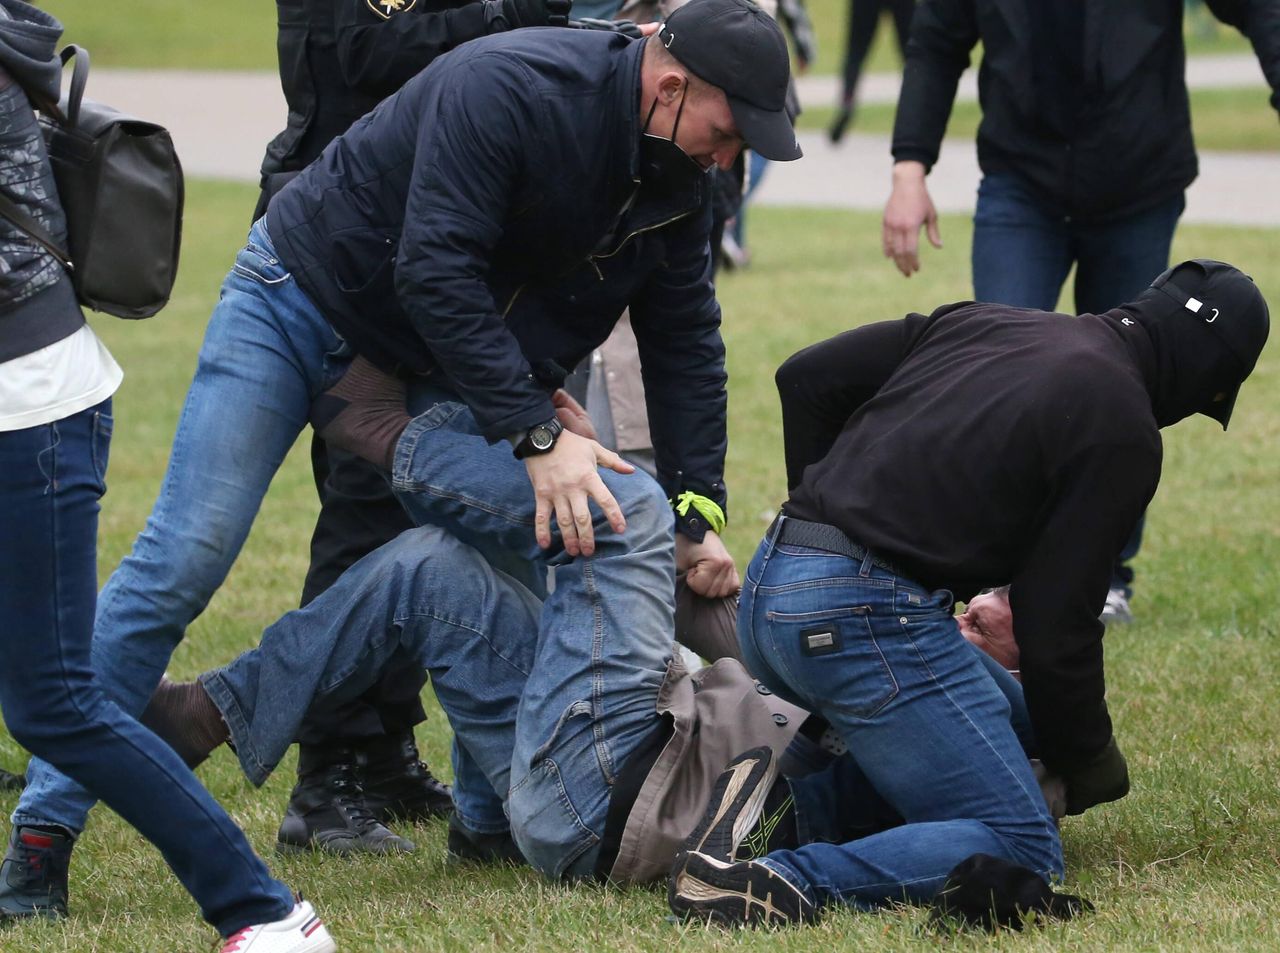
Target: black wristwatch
x,y
539,439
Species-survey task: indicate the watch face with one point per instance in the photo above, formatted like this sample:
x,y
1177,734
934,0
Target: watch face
x,y
541,437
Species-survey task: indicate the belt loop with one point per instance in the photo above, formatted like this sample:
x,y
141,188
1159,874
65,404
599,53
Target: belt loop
x,y
867,562
775,530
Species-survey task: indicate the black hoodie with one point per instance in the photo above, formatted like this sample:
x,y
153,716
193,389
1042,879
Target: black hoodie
x,y
983,445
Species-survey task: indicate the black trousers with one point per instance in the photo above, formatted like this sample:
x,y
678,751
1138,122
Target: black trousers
x,y
864,18
358,513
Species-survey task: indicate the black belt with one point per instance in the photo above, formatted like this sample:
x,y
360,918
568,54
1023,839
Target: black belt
x,y
823,536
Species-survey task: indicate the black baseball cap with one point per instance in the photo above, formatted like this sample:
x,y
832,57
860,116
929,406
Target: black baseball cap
x,y
1230,306
736,46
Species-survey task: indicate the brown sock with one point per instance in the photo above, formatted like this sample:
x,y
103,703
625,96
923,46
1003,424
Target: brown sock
x,y
363,413
185,717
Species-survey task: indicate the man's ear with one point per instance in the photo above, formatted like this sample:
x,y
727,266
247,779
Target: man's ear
x,y
670,85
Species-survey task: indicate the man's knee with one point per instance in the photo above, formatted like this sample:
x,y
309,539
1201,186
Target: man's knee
x,y
646,508
546,826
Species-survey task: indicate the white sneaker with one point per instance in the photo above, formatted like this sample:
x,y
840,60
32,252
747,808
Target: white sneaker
x,y
1116,609
299,932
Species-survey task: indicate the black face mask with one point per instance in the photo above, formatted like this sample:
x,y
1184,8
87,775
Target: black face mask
x,y
663,163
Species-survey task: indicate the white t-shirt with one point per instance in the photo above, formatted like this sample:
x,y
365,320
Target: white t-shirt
x,y
57,381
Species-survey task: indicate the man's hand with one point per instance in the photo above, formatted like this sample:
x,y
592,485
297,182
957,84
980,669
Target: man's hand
x,y
518,13
563,481
908,208
987,622
708,567
572,415
1105,778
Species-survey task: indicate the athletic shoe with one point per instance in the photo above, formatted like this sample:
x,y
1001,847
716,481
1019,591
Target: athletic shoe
x,y
33,876
1116,610
465,846
734,894
300,932
327,811
735,805
397,785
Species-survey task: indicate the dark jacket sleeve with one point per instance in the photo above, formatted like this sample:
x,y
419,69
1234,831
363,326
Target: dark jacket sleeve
x,y
942,34
1259,20
821,386
676,320
1095,501
470,155
378,55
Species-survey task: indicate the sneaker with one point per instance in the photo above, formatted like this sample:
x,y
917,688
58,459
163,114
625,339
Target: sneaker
x,y
736,803
465,846
735,894
327,811
397,785
300,932
11,782
1116,609
33,876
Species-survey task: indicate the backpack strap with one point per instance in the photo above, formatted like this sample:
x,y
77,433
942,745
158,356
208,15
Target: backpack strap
x,y
29,225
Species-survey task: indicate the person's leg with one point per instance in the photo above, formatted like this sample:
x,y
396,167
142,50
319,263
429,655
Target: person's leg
x,y
864,18
267,352
884,661
423,596
1115,263
51,478
1021,253
604,634
902,11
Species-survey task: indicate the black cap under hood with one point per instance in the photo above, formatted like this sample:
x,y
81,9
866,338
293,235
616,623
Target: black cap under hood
x,y
1207,323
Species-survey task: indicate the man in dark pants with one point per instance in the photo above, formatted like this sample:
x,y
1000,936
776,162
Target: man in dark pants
x,y
1085,147
358,766
979,445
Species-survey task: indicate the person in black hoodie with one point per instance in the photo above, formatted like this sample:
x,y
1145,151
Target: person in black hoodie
x,y
1085,147
56,384
980,445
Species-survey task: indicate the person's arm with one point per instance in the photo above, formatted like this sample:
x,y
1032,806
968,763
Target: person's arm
x,y
380,54
1095,501
480,120
943,32
795,16
1259,20
821,386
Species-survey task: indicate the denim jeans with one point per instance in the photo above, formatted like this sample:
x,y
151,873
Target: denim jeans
x,y
1022,254
545,719
926,723
267,353
51,478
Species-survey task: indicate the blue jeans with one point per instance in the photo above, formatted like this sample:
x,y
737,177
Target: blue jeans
x,y
925,720
267,353
51,478
546,717
1022,254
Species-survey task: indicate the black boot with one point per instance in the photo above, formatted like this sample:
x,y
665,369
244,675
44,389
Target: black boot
x,y
327,810
840,123
467,846
397,786
33,877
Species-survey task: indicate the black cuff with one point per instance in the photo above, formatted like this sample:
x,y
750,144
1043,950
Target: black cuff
x,y
692,525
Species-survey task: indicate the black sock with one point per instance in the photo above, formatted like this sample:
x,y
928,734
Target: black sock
x,y
185,717
363,413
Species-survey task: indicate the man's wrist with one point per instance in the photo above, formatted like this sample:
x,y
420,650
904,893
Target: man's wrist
x,y
909,170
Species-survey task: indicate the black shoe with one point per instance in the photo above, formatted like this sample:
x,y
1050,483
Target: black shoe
x,y
734,894
399,787
735,806
844,115
33,877
327,811
468,847
11,782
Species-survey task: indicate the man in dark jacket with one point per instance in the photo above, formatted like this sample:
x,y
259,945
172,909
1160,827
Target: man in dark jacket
x,y
358,766
980,445
1085,147
480,229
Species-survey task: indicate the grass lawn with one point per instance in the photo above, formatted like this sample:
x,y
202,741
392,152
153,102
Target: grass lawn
x,y
1232,120
1188,862
240,34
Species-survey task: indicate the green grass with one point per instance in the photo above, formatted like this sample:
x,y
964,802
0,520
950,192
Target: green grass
x,y
1235,120
1188,862
240,34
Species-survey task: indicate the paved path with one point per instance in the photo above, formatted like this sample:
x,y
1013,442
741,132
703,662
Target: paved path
x,y
221,121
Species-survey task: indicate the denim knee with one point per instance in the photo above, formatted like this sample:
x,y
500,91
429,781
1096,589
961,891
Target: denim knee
x,y
650,522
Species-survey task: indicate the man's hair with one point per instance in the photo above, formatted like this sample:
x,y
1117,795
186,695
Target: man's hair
x,y
662,60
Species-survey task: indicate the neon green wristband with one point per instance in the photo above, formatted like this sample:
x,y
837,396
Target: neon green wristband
x,y
708,509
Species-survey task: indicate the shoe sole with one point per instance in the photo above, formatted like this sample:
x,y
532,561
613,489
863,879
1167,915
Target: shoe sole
x,y
730,895
739,793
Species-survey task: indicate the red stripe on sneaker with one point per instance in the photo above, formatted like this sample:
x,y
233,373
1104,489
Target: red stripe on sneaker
x,y
37,840
311,926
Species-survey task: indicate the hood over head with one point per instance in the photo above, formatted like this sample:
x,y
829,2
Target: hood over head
x,y
1207,322
28,41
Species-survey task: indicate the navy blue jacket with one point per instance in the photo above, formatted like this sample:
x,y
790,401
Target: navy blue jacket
x,y
491,217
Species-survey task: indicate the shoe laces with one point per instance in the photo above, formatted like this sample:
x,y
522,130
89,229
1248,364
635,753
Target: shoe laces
x,y
232,945
39,866
349,795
